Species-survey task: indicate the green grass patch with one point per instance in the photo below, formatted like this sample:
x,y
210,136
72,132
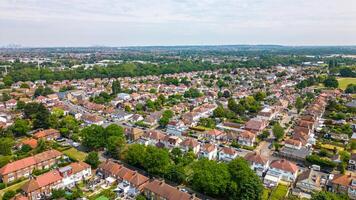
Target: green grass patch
x,y
12,187
266,193
344,82
74,154
279,192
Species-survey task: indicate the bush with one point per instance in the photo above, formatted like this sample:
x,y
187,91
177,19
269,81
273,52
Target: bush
x,y
8,195
323,162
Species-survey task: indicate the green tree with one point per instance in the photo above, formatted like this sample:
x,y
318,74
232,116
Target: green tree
x,y
20,127
93,159
156,161
232,105
57,194
115,145
210,177
116,87
114,130
135,155
278,131
6,144
331,82
260,96
8,81
245,184
328,196
93,137
163,122
299,105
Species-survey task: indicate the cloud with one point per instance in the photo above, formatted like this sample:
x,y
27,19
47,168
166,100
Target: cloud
x,y
178,21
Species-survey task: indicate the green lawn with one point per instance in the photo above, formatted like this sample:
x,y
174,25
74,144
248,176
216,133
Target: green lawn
x,y
12,187
75,154
279,193
344,82
265,193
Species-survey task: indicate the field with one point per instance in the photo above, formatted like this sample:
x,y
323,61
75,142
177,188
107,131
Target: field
x,y
343,82
279,193
75,154
12,187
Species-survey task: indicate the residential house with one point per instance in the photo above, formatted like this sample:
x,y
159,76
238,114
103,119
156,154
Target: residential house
x,y
352,162
344,183
258,163
171,142
65,177
214,134
157,190
246,138
48,134
23,168
133,134
256,125
281,170
92,119
308,182
190,144
227,154
176,128
208,151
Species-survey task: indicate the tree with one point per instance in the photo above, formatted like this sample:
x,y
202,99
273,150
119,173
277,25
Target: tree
x,y
8,81
114,145
219,112
93,159
207,122
351,89
331,82
24,85
93,137
156,161
6,144
299,105
140,197
260,96
57,194
323,195
41,146
168,113
114,130
163,122
116,87
135,155
20,127
42,119
232,105
245,184
278,131
210,177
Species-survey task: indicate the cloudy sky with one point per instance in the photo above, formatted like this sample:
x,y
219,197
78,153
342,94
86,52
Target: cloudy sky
x,y
177,22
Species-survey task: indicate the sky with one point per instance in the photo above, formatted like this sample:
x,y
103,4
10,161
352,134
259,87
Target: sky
x,y
50,23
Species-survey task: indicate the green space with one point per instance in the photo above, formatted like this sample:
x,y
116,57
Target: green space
x,y
279,193
12,187
344,82
266,193
75,154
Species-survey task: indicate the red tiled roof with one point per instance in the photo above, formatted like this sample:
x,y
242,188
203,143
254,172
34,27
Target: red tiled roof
x,y
29,161
42,181
285,165
45,133
166,191
254,157
30,142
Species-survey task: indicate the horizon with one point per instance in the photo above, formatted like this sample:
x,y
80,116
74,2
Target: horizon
x,y
118,23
